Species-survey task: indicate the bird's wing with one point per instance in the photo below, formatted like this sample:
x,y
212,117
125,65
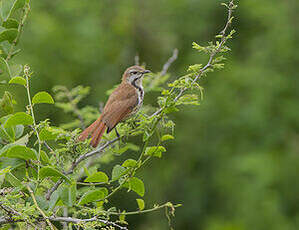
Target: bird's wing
x,y
121,103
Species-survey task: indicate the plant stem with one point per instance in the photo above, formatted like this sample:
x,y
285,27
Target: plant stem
x,y
27,75
26,10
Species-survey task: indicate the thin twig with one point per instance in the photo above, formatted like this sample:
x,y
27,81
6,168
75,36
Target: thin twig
x,y
8,220
75,108
26,10
136,59
27,86
78,221
169,62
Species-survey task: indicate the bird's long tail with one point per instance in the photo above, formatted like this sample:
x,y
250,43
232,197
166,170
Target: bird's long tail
x,y
96,129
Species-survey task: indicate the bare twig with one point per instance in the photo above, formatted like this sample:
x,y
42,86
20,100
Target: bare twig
x,y
169,62
8,220
9,210
93,219
75,108
136,59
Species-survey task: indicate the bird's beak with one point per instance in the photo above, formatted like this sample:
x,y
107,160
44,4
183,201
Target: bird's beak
x,y
146,71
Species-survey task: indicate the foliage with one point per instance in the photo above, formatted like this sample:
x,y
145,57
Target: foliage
x,y
42,184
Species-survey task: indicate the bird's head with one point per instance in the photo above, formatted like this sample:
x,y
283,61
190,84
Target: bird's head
x,y
134,74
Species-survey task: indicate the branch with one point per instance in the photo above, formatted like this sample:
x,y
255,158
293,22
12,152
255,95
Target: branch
x,y
26,10
212,55
9,210
8,220
76,162
169,62
78,221
166,205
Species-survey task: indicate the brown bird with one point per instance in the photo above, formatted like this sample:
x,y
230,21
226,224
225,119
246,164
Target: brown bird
x,y
124,101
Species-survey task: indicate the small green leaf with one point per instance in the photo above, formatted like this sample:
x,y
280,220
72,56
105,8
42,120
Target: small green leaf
x,y
44,157
117,172
22,141
19,129
22,152
136,185
20,118
129,163
167,137
4,69
68,195
48,133
6,104
155,151
42,97
10,23
18,80
97,177
53,200
13,180
93,195
141,204
8,35
17,5
49,171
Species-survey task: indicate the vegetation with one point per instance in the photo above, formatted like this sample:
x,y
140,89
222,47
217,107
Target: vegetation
x,y
48,178
233,163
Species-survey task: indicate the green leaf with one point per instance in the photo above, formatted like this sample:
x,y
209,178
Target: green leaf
x,y
22,152
155,151
42,97
53,200
93,195
20,118
17,5
48,133
141,204
97,177
49,171
18,80
167,137
5,136
136,185
129,146
19,129
117,172
6,104
44,157
129,163
22,141
10,178
4,69
10,23
68,195
8,35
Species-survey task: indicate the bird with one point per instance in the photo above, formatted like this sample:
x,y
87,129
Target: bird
x,y
123,103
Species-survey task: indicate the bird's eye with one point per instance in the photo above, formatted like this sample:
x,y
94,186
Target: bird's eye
x,y
135,72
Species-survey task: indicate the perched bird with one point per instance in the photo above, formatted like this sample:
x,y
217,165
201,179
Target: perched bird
x,y
124,101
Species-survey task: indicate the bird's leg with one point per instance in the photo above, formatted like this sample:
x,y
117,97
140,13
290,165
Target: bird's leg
x,y
117,134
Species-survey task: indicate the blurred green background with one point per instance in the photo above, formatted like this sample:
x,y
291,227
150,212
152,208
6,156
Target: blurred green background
x,y
235,162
